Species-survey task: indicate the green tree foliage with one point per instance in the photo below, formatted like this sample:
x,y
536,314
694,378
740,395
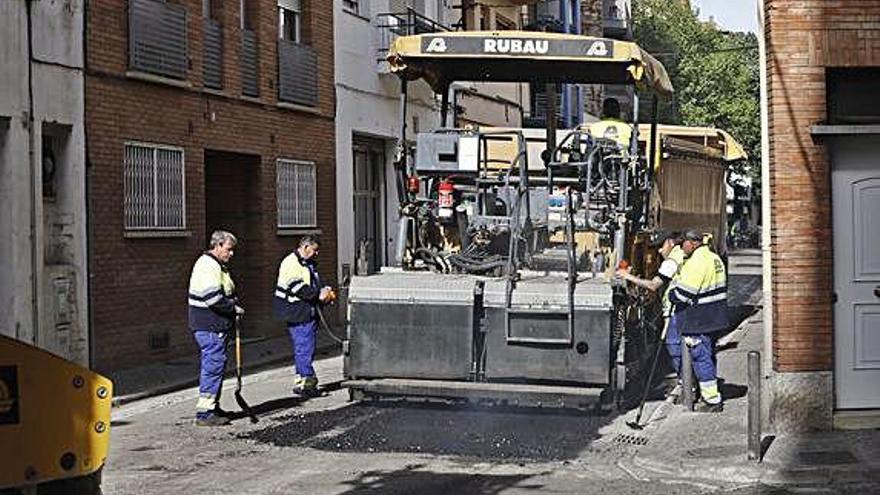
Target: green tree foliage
x,y
714,72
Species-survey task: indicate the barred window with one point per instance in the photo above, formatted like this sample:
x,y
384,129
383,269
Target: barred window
x,y
296,195
154,187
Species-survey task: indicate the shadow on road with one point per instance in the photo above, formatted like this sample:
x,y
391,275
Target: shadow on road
x,y
413,480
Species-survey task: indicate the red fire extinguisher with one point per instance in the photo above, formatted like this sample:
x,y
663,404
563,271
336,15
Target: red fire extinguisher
x,y
412,184
446,199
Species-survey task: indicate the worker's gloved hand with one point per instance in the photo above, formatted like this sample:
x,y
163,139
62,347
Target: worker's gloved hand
x,y
239,310
327,295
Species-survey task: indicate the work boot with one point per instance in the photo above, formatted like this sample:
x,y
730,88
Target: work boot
x,y
211,419
705,407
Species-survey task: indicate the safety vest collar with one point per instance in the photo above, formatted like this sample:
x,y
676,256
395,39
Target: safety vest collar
x,y
223,266
305,262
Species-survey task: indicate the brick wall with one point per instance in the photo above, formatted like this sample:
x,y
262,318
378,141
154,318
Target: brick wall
x,y
138,286
803,38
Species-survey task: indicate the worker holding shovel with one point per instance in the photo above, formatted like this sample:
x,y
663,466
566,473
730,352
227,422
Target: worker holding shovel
x,y
213,308
298,293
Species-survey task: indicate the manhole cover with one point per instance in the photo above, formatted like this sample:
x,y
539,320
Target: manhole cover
x,y
827,457
630,439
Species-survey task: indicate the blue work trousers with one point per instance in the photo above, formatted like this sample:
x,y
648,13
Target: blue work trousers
x,y
213,364
302,338
702,354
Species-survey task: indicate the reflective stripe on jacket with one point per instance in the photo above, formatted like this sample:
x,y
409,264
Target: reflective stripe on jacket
x,y
700,293
297,289
676,257
211,295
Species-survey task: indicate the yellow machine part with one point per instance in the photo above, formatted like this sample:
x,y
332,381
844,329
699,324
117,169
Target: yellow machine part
x,y
54,417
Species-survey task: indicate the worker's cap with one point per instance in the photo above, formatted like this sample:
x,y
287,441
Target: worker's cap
x,y
692,235
661,236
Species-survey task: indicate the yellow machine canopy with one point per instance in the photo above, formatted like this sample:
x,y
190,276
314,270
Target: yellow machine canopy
x,y
525,56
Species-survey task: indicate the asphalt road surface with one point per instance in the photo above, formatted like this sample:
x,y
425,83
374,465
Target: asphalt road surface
x,y
328,445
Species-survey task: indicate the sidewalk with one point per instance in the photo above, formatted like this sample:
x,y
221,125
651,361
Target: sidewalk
x,y
712,447
257,353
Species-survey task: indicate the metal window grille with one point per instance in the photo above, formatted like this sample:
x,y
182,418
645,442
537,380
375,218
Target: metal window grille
x,y
154,187
296,194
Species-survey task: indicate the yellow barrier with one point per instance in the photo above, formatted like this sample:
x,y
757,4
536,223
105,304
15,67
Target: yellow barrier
x,y
54,417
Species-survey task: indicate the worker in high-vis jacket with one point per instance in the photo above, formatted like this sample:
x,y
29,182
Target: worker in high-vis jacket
x,y
298,292
611,126
700,299
668,245
213,308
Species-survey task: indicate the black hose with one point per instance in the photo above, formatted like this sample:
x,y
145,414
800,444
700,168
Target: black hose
x,y
326,327
484,266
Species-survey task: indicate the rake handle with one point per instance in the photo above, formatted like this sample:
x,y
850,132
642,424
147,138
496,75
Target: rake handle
x,y
653,367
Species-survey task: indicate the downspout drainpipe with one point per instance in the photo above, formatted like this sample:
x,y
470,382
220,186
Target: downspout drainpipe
x,y
90,321
32,158
766,211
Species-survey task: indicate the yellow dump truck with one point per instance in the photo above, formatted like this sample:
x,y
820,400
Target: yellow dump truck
x,y
54,423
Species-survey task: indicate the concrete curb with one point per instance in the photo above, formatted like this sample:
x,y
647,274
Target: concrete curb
x,y
707,473
747,472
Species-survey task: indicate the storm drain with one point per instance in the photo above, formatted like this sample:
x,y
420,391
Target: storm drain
x,y
623,438
818,458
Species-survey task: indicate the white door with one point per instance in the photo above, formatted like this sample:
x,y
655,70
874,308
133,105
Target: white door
x,y
855,180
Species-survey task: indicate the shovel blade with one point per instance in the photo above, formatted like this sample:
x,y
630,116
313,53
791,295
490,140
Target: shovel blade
x,y
245,408
635,425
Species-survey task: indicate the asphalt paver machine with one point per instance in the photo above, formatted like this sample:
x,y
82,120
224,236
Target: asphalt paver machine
x,y
502,288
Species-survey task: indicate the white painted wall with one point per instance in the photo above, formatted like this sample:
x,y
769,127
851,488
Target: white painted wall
x,y
15,285
39,245
367,103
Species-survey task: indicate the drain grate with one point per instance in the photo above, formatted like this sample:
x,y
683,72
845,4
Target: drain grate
x,y
630,439
818,458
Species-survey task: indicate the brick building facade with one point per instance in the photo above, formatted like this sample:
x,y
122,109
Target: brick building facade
x,y
820,58
197,119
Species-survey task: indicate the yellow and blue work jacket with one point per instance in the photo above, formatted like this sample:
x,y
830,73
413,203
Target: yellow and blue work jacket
x,y
211,295
669,271
613,129
297,289
699,294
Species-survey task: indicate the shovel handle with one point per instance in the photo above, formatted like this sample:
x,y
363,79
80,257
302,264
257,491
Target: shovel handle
x,y
238,347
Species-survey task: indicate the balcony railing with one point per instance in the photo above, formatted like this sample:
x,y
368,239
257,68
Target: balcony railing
x,y
297,73
530,21
390,26
250,60
616,18
157,38
213,61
